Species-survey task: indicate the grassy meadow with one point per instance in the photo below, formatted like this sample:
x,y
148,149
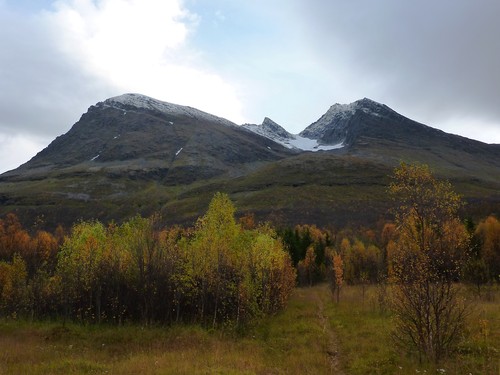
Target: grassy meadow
x,y
363,327
313,335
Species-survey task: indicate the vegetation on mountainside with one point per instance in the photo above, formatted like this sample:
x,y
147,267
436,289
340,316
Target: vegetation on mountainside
x,y
327,189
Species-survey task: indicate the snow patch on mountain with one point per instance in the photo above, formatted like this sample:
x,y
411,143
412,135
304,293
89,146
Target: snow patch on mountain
x,y
127,102
328,133
307,144
278,134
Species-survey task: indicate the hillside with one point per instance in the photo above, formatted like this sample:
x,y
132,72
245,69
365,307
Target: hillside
x,y
133,154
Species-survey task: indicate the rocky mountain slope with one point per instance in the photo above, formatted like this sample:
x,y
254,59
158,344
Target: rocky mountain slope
x,y
133,154
136,136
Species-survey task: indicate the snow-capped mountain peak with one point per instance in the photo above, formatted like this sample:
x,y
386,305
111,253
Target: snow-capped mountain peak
x,y
372,107
130,102
334,125
269,129
329,132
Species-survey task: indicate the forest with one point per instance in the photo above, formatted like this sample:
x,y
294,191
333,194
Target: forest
x,y
138,271
228,272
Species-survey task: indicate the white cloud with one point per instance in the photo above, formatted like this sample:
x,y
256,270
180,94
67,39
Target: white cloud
x,y
142,46
117,37
61,61
18,149
473,128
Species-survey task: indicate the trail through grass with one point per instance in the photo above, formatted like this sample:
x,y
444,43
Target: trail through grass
x,y
313,335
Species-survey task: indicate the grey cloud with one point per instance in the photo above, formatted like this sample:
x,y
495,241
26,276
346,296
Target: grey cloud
x,y
43,92
437,59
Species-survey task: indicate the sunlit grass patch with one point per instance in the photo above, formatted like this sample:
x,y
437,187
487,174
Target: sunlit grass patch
x,y
364,333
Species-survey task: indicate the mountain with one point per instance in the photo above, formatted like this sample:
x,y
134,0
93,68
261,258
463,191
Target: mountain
x,y
134,154
365,123
137,136
335,126
271,130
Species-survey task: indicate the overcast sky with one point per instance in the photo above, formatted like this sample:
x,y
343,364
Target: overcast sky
x,y
437,62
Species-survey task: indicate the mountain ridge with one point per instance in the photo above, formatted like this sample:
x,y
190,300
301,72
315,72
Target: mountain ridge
x,y
133,101
134,154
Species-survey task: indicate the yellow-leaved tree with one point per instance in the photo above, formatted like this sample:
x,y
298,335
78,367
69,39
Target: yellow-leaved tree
x,y
488,232
426,257
338,274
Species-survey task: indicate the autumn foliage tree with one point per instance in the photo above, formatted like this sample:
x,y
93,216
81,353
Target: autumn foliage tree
x,y
14,293
307,267
219,272
426,257
238,273
335,272
81,270
27,261
488,234
307,246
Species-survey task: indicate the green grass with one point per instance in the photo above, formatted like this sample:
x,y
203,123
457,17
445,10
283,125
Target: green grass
x,y
292,342
313,335
364,330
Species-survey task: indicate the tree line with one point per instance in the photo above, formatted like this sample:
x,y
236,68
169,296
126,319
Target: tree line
x,y
366,253
139,271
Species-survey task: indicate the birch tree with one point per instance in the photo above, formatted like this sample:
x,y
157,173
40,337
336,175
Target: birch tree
x,y
429,250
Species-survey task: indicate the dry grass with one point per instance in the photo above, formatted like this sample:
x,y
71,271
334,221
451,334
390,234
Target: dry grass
x,y
363,329
296,341
292,342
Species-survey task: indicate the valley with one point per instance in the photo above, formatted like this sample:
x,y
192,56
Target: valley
x,y
133,154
